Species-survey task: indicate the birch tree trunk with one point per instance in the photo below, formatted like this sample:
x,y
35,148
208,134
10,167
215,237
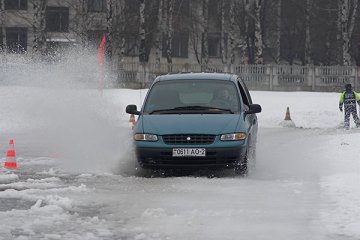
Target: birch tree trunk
x,y
160,32
353,17
196,31
307,57
122,23
278,33
348,12
258,33
109,27
115,25
170,30
39,42
339,34
232,32
345,32
205,47
142,48
246,5
83,22
223,43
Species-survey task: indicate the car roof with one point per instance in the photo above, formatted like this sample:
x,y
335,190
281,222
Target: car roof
x,y
196,76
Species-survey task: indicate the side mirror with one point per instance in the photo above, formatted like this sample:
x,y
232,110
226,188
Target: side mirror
x,y
253,108
132,109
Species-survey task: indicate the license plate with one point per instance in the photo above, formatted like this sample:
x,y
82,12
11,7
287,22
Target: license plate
x,y
189,152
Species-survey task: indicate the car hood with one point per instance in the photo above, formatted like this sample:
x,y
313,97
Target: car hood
x,y
189,123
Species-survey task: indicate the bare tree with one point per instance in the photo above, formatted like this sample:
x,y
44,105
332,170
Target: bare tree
x,y
195,30
160,31
258,33
115,24
169,30
39,42
232,32
278,32
308,8
109,27
348,11
205,47
142,48
223,38
82,20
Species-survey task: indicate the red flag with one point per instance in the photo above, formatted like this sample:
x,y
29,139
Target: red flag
x,y
102,50
101,54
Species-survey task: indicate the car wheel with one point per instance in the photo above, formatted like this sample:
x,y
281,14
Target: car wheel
x,y
242,168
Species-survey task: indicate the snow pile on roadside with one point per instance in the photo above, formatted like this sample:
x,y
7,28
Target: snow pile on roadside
x,y
8,178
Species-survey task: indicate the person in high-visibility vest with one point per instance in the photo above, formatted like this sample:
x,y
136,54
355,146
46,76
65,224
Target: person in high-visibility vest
x,y
349,98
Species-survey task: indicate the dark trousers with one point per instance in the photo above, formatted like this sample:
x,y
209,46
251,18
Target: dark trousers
x,y
351,110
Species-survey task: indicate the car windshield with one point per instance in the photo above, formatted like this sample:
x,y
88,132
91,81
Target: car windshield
x,y
193,96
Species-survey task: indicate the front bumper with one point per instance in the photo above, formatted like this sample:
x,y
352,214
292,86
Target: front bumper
x,y
218,158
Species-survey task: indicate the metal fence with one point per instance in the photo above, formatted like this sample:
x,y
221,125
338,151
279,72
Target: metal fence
x,y
257,77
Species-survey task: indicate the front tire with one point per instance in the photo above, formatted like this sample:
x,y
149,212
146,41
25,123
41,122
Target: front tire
x,y
242,168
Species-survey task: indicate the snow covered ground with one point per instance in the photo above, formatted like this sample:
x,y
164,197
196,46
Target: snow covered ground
x,y
77,177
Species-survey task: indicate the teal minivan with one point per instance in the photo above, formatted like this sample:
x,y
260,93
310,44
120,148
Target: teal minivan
x,y
196,121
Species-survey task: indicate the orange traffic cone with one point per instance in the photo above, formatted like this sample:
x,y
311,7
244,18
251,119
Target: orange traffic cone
x,y
132,118
287,115
11,156
132,121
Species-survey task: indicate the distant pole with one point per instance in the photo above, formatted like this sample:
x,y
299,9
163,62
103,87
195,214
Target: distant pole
x,y
101,54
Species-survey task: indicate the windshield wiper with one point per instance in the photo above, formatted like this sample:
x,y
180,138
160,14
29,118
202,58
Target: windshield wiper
x,y
162,110
203,108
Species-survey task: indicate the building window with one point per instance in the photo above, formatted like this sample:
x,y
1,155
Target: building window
x,y
57,19
16,40
97,5
16,4
214,44
131,46
179,48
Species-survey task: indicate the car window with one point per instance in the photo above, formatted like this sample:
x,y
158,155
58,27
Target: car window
x,y
245,95
184,93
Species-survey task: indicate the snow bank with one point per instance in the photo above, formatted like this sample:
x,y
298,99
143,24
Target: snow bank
x,y
7,178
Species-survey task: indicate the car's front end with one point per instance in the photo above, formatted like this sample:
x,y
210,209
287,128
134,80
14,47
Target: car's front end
x,y
189,141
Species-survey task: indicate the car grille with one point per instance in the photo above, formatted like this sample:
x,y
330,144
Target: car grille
x,y
188,139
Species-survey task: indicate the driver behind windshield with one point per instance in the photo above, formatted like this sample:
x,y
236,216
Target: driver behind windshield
x,y
223,99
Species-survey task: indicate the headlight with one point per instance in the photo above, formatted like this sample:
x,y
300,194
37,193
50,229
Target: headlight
x,y
233,137
145,137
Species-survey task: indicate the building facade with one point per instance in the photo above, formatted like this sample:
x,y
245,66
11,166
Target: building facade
x,y
62,24
177,33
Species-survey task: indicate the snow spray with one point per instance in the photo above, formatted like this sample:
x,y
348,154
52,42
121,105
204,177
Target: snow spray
x,y
60,105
